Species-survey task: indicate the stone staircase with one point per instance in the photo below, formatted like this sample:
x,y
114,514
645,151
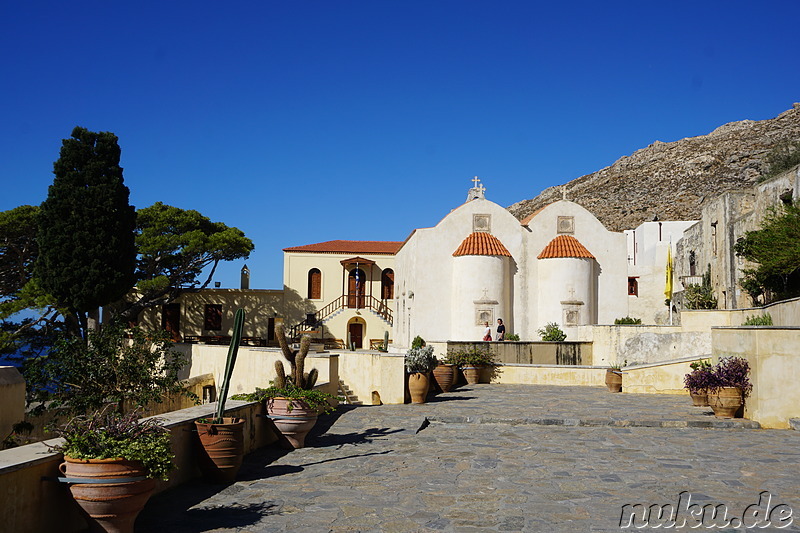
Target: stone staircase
x,y
347,394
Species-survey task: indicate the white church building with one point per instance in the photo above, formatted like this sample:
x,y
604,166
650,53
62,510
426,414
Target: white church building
x,y
480,263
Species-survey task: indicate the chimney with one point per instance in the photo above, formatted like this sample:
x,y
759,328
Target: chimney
x,y
245,277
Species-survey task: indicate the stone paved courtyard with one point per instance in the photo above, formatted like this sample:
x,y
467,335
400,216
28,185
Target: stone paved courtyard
x,y
495,458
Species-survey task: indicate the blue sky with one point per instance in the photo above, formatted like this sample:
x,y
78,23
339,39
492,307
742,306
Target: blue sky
x,y
306,121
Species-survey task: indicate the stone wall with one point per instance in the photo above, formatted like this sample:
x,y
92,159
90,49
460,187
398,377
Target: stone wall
x,y
12,399
532,353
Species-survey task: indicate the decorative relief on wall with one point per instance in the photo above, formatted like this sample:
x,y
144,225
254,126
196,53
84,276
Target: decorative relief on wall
x,y
565,225
482,316
481,223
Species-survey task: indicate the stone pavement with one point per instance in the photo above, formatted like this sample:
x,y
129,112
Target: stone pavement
x,y
498,458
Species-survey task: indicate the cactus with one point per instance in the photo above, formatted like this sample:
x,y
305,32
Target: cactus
x,y
296,358
385,341
233,351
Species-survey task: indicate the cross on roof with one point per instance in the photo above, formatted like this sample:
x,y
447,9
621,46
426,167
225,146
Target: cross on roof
x,y
475,181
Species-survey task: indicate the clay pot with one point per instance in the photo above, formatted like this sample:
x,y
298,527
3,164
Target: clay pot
x,y
293,418
418,385
699,399
725,401
111,507
614,380
472,374
444,375
221,449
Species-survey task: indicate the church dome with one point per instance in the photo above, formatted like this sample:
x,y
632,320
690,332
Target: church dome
x,y
565,246
481,243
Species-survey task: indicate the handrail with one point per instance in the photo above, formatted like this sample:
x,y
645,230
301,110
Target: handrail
x,y
380,307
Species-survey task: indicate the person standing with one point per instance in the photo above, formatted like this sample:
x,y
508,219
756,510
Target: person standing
x,y
501,330
487,333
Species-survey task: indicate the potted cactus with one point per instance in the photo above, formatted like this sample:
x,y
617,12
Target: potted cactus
x,y
222,438
291,402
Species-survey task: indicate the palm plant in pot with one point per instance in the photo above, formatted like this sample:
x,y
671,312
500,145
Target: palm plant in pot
x,y
292,403
729,386
698,381
221,449
111,461
419,363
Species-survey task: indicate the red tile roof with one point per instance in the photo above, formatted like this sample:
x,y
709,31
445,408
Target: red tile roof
x,y
349,247
565,246
481,243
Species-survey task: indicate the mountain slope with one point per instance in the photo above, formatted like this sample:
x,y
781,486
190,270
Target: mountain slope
x,y
672,180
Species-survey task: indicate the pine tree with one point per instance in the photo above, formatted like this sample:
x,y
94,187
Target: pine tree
x,y
87,254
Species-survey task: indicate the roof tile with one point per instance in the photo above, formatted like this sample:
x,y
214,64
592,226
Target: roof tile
x,y
565,246
481,243
349,247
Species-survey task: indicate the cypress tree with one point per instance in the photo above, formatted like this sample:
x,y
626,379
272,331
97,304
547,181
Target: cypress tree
x,y
87,254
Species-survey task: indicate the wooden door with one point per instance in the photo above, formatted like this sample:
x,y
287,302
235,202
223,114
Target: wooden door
x,y
356,334
171,320
355,289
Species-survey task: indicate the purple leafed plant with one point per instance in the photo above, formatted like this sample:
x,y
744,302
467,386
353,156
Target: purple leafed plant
x,y
699,380
733,372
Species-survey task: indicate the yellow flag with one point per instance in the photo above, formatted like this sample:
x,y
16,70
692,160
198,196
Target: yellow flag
x,y
668,287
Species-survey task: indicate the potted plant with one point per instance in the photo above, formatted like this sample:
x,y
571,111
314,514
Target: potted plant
x,y
291,402
614,377
477,365
730,385
112,461
222,438
444,374
419,363
698,381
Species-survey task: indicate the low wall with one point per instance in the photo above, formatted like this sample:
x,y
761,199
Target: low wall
x,y
589,376
255,367
12,399
368,372
24,495
532,353
647,344
657,378
774,357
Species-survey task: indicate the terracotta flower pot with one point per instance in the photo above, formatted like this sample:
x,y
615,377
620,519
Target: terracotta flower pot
x,y
700,398
111,507
472,374
725,401
614,380
444,376
418,385
294,419
221,449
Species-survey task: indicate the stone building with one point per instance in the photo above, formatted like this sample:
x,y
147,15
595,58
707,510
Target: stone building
x,y
709,243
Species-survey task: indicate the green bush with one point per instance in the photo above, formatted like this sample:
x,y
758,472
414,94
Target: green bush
x,y
418,342
627,320
512,337
551,332
756,320
700,296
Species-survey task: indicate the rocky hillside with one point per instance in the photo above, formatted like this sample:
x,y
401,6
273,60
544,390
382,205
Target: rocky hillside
x,y
672,180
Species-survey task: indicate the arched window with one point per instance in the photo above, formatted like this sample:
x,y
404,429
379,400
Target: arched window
x,y
314,284
387,284
692,264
